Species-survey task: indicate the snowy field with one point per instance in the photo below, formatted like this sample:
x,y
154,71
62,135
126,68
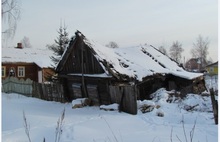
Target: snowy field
x,y
90,124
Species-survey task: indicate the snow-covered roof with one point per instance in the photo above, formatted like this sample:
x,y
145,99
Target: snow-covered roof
x,y
213,64
41,57
135,62
139,61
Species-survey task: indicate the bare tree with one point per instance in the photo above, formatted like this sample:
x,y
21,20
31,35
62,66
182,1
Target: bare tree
x,y
163,50
112,44
26,42
176,51
200,49
10,16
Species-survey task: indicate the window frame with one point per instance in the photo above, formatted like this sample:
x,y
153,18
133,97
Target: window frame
x,y
3,71
22,71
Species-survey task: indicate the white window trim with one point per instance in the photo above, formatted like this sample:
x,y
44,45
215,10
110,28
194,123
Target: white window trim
x,y
21,67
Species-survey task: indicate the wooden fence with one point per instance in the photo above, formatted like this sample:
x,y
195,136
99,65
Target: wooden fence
x,y
125,96
14,85
49,91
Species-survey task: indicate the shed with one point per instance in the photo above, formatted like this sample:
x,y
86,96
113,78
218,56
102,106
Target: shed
x,y
120,75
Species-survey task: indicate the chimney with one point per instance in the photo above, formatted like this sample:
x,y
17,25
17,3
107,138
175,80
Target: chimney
x,y
19,45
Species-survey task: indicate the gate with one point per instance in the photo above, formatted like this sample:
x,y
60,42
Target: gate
x,y
125,96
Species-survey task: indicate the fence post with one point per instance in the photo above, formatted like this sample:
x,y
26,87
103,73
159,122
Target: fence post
x,y
214,105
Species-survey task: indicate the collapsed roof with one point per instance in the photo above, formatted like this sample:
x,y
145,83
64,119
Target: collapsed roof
x,y
135,62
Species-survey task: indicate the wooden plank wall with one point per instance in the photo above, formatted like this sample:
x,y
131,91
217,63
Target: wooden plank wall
x,y
103,92
125,96
93,94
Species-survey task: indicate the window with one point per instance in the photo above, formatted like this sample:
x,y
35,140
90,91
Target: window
x,y
211,69
3,71
12,72
21,71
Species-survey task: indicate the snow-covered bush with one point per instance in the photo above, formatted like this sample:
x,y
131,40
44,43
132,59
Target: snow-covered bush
x,y
162,95
194,102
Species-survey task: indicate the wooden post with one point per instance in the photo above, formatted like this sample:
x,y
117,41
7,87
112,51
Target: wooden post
x,y
122,99
214,105
85,93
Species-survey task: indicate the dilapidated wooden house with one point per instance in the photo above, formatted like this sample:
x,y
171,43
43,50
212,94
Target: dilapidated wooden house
x,y
121,75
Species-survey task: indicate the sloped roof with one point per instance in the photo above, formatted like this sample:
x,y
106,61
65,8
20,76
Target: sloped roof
x,y
213,64
41,57
137,62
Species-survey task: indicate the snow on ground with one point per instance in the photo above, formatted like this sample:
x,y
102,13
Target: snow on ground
x,y
90,124
212,81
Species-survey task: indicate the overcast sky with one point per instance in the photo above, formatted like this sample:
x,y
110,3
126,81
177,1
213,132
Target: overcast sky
x,y
127,22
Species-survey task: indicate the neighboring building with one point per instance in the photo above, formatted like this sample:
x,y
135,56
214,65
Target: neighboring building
x,y
120,75
195,65
31,63
212,69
